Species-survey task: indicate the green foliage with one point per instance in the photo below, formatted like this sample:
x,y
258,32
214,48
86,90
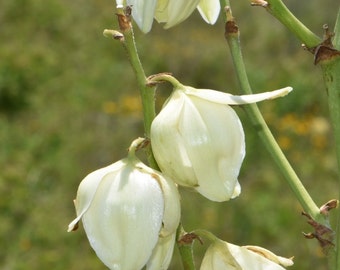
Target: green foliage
x,y
13,88
77,109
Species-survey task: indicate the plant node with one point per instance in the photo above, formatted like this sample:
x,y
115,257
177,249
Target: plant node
x,y
325,51
322,233
188,239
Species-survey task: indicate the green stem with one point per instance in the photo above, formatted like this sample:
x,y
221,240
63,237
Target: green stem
x,y
185,250
206,234
331,74
336,40
147,92
278,9
232,36
330,65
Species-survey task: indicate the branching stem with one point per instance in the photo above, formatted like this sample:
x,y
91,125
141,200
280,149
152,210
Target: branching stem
x,y
278,9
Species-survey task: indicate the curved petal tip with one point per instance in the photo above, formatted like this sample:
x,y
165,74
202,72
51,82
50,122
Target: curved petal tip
x,y
73,226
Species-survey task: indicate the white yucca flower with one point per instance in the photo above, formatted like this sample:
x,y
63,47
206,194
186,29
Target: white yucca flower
x,y
222,255
130,213
198,140
170,12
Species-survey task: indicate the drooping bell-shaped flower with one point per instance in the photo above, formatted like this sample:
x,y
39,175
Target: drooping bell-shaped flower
x,y
170,12
222,255
198,139
127,210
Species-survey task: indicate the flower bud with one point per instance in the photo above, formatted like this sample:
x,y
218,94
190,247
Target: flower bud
x,y
222,255
127,209
198,140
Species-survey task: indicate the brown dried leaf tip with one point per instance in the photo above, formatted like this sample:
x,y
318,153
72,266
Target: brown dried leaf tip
x,y
188,239
332,204
325,50
75,227
124,20
145,143
231,27
322,233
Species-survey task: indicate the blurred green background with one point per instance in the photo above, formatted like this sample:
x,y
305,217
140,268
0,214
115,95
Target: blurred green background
x,y
69,104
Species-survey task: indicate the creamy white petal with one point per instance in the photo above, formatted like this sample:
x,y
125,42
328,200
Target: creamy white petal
x,y
222,255
176,11
270,255
87,190
237,191
168,142
251,260
218,257
162,253
209,10
172,206
214,140
225,98
161,12
143,12
124,219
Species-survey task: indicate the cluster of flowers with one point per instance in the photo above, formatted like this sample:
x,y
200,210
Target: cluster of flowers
x,y
130,212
